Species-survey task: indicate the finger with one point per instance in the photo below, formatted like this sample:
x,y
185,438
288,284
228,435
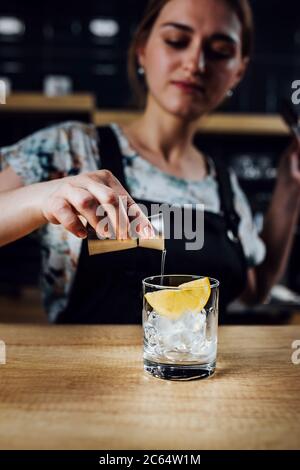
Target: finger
x,y
109,180
140,225
112,207
115,184
65,215
104,228
113,220
122,218
293,148
84,203
144,227
103,195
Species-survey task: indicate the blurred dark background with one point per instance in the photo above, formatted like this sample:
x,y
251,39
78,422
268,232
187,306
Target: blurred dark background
x,y
83,48
87,42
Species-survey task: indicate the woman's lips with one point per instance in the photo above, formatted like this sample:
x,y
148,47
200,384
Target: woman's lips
x,y
189,88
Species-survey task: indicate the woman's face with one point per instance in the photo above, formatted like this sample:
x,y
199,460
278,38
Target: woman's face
x,y
193,42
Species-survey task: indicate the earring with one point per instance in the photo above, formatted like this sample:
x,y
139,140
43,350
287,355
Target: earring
x,y
229,93
141,70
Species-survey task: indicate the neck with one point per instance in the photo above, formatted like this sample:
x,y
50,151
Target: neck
x,y
165,135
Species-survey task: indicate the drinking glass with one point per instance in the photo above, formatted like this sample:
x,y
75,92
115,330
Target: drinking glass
x,y
180,340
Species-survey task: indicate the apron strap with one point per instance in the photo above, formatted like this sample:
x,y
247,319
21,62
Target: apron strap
x,y
111,157
227,196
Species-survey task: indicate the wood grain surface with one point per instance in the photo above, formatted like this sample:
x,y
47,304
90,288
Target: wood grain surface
x,y
83,387
24,102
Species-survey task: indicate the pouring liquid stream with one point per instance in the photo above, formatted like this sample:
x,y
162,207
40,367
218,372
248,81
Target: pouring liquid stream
x,y
162,267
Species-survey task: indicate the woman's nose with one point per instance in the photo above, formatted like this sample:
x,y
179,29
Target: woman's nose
x,y
196,63
201,62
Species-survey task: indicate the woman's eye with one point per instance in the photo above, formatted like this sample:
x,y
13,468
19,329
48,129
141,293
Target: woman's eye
x,y
219,53
176,44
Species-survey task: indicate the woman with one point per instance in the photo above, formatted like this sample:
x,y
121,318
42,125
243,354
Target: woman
x,y
190,55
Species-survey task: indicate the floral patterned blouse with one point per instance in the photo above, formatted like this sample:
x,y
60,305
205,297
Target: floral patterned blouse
x,y
71,148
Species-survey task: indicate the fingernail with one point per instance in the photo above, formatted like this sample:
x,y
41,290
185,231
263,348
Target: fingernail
x,y
82,233
148,232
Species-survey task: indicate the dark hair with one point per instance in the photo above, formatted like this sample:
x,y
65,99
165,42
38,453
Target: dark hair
x,y
240,7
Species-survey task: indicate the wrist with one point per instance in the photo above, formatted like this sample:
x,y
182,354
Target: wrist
x,y
42,192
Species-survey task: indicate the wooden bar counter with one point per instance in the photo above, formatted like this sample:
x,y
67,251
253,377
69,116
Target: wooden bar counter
x,y
83,387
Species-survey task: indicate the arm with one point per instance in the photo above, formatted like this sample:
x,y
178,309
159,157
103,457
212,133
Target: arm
x,y
35,188
63,201
19,215
19,209
279,228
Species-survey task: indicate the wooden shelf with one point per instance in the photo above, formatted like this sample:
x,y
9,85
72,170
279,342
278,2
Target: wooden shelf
x,y
102,117
219,123
244,124
36,102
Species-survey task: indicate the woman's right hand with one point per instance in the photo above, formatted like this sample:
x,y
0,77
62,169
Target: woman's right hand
x,y
66,199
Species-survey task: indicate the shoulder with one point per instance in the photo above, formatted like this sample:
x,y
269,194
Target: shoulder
x,y
52,136
59,150
82,128
70,131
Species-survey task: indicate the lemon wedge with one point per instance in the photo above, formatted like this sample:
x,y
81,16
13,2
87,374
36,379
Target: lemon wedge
x,y
192,296
202,283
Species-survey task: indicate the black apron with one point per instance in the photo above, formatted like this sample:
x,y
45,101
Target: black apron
x,y
107,288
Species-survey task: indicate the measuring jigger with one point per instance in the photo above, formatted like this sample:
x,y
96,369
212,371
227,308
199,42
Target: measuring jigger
x,y
157,242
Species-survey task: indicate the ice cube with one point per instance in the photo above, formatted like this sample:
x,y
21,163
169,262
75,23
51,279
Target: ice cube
x,y
186,334
194,321
150,335
151,317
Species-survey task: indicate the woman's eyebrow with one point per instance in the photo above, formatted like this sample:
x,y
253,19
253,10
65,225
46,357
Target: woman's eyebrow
x,y
225,37
181,26
218,36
